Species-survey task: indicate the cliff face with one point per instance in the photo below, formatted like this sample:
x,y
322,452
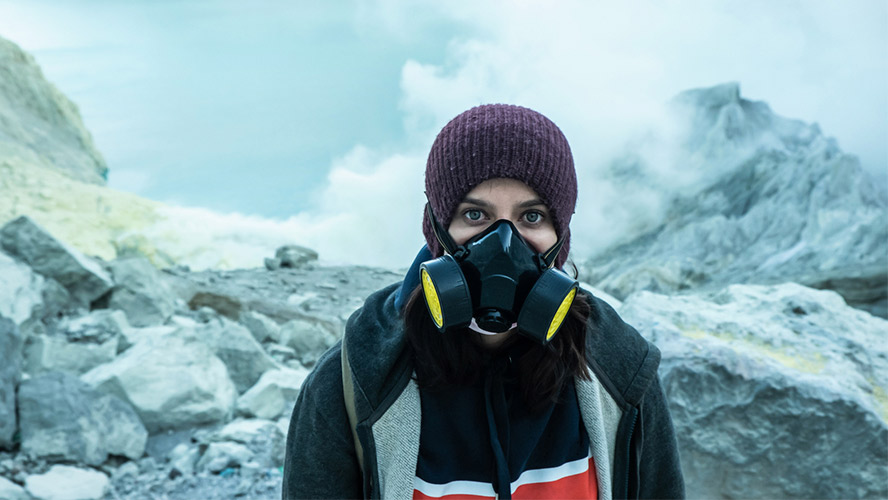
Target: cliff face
x,y
39,125
787,205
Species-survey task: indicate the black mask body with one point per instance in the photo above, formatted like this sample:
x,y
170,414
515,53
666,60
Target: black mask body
x,y
499,279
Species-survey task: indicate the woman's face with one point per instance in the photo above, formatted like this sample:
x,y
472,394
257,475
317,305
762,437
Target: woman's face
x,y
508,199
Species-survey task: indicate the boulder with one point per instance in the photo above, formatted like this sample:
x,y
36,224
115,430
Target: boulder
x,y
262,437
141,292
84,279
173,382
223,455
21,290
12,491
235,346
294,256
308,338
183,458
10,374
261,326
63,418
77,345
63,482
775,391
273,395
787,205
131,336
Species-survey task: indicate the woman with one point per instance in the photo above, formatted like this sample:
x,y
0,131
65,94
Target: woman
x,y
486,373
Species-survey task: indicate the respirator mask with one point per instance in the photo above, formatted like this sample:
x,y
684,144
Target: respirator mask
x,y
497,279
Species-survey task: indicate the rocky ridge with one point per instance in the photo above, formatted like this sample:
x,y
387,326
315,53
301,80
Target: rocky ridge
x,y
39,125
787,205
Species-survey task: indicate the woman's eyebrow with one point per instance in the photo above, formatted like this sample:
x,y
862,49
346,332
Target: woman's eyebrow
x,y
531,203
476,201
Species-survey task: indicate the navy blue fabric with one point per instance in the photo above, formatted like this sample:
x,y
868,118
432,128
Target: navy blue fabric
x,y
411,279
458,422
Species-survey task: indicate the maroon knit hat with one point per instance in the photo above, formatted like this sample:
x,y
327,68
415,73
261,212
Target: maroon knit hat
x,y
500,140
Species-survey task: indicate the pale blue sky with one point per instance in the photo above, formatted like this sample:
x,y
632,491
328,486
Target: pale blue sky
x,y
322,112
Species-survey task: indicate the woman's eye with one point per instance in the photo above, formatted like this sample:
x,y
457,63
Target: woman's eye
x,y
473,215
533,217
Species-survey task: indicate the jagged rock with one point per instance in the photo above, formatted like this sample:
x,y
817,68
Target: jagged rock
x,y
40,125
10,374
12,491
220,456
273,395
261,326
141,292
173,382
183,458
293,256
84,279
131,336
78,345
262,437
775,391
308,338
63,418
63,482
235,346
21,290
790,206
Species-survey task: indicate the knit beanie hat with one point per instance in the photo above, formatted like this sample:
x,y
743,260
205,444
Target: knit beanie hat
x,y
500,140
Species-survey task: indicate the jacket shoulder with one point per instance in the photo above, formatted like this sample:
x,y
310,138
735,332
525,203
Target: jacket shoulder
x,y
624,361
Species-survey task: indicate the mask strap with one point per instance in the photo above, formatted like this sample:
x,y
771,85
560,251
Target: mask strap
x,y
443,236
552,253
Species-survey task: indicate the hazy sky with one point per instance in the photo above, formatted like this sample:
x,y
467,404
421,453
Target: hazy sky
x,y
322,112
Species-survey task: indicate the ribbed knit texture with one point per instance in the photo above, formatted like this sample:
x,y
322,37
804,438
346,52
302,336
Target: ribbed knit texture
x,y
500,140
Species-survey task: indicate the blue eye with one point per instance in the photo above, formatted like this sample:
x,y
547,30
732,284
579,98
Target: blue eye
x,y
533,217
473,215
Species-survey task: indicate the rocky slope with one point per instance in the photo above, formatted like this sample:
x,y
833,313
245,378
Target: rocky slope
x,y
39,125
787,205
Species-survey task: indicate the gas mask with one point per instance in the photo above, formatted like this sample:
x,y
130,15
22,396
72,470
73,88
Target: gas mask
x,y
497,279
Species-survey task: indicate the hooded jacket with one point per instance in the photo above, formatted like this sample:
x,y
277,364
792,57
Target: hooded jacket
x,y
623,409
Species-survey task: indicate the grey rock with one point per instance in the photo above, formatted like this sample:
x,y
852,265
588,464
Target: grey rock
x,y
272,264
292,256
308,338
84,279
775,391
41,126
183,458
141,292
788,205
64,419
273,395
220,456
262,437
12,491
235,346
131,336
10,375
173,382
261,326
77,345
21,290
63,482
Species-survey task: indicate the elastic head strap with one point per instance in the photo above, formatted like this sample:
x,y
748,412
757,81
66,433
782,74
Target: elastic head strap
x,y
443,236
552,253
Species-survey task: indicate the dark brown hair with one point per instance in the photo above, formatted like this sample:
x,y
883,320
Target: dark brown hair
x,y
453,358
